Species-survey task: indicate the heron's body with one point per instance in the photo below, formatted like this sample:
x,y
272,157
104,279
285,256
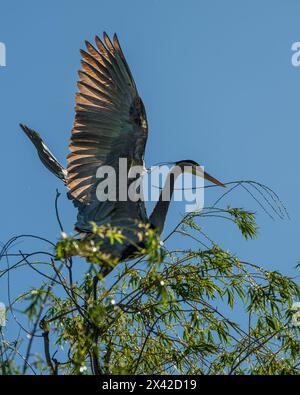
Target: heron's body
x,y
110,123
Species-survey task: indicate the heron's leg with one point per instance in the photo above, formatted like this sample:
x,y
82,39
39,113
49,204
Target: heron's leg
x,y
105,270
95,351
92,289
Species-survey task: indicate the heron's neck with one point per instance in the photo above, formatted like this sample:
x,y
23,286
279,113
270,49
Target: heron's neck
x,y
159,213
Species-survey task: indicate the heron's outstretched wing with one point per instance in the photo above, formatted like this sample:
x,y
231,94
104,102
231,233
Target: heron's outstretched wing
x,y
110,121
46,156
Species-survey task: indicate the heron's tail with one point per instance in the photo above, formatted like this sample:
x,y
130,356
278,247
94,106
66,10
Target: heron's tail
x,y
47,158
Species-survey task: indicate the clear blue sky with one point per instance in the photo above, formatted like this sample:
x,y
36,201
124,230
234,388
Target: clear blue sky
x,y
218,85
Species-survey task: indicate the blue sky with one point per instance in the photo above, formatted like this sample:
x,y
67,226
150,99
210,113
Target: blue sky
x,y
219,87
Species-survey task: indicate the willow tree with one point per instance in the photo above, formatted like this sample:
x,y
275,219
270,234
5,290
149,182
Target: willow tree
x,y
196,310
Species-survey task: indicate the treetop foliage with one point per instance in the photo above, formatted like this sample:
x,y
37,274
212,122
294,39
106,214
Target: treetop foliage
x,y
196,310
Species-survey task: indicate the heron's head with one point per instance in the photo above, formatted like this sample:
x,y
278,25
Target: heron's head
x,y
190,166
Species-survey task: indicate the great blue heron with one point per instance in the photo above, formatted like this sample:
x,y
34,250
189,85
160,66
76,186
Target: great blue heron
x,y
110,123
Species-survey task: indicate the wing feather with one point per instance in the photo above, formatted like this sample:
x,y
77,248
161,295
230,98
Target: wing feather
x,y
110,121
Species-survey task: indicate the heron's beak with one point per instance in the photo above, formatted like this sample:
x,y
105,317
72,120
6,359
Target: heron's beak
x,y
199,172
